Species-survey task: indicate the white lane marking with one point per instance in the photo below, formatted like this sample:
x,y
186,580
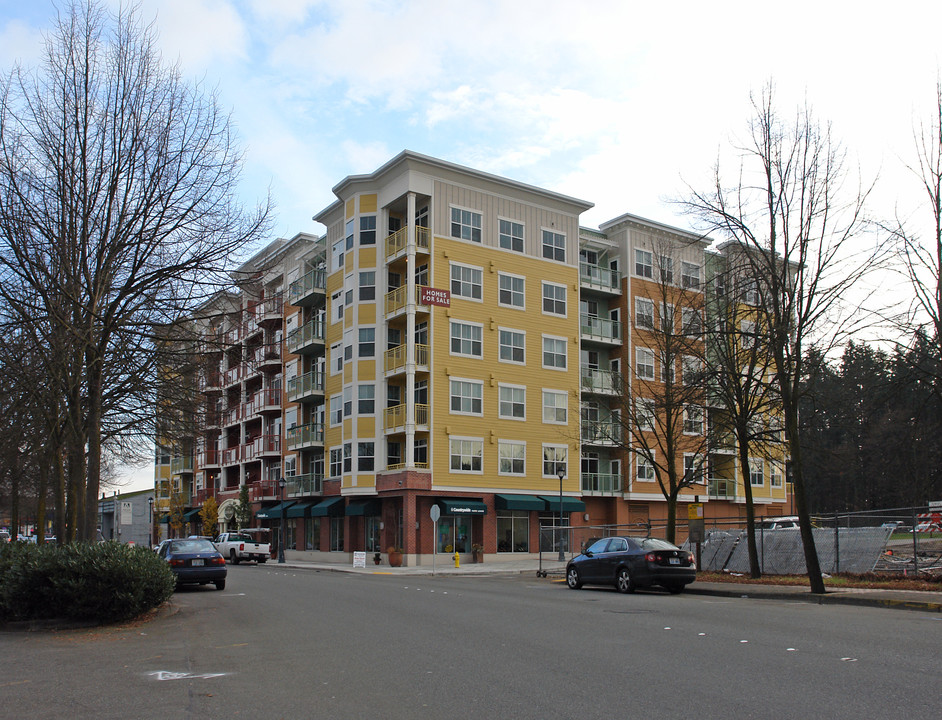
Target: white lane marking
x,y
167,675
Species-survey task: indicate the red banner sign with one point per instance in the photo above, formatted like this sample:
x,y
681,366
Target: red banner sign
x,y
435,296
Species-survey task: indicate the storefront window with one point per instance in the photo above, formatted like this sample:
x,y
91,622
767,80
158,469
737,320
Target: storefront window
x,y
291,538
372,535
513,531
312,534
454,533
551,535
336,534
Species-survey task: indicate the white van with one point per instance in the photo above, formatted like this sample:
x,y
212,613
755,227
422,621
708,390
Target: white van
x,y
789,522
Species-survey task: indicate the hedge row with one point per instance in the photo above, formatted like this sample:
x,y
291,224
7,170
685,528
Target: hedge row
x,y
105,582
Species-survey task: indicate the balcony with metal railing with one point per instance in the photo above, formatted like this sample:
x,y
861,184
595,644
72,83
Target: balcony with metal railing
x,y
600,278
266,446
396,243
599,329
209,381
599,382
266,400
305,436
207,458
307,338
309,289
234,375
232,455
181,464
722,489
394,359
397,299
601,483
308,386
307,484
599,432
394,418
270,310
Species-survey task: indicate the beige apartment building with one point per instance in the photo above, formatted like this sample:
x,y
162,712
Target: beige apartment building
x,y
454,340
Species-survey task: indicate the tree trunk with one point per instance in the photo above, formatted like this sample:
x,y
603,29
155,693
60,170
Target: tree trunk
x,y
754,570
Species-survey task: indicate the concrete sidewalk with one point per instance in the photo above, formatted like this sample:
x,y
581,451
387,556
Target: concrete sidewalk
x,y
895,599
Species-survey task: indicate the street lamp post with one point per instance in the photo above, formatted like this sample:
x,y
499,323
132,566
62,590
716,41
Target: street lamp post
x,y
281,542
150,521
561,473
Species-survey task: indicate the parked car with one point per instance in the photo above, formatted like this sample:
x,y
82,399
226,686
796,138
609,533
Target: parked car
x,y
779,523
630,562
194,561
4,536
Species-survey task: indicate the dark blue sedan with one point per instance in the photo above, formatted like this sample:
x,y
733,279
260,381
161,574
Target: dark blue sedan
x,y
195,561
629,563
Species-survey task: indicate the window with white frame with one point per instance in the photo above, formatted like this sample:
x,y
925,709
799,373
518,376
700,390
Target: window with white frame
x,y
555,458
366,399
693,420
367,285
348,233
466,339
644,469
691,369
366,456
750,291
554,299
554,246
511,235
645,413
644,363
756,472
511,290
668,371
512,345
336,358
466,224
554,352
336,255
776,476
667,318
691,322
644,264
367,344
466,281
336,409
466,454
348,344
512,402
667,269
367,230
747,333
693,468
336,302
336,462
690,275
644,313
512,457
555,407
348,401
466,396
347,457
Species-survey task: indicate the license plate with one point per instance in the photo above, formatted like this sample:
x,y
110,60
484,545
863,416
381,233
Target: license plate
x,y
197,563
674,561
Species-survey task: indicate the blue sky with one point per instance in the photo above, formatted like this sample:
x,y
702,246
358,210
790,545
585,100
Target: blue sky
x,y
617,103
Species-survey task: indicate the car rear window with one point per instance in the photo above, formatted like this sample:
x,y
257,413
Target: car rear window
x,y
657,544
192,546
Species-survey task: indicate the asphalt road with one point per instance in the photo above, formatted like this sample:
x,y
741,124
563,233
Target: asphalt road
x,y
283,643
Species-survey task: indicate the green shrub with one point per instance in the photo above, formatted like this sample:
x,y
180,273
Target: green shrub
x,y
105,582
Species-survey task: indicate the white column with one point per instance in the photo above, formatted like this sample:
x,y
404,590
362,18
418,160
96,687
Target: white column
x,y
410,333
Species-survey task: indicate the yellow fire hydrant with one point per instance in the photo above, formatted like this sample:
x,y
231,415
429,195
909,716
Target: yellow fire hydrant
x,y
457,561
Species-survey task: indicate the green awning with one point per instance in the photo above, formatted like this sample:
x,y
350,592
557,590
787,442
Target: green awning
x,y
518,502
273,513
191,515
363,508
460,506
165,519
331,507
570,504
299,510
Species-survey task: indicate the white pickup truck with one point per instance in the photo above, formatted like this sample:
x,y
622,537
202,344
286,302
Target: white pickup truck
x,y
239,546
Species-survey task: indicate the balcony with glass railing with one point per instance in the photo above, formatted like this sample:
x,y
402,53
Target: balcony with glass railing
x,y
599,432
394,359
270,310
601,382
396,243
599,329
307,484
307,338
601,483
308,289
265,445
600,278
305,436
305,387
394,418
181,464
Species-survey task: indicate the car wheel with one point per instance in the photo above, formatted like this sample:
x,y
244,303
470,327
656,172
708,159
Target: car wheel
x,y
675,589
220,584
233,558
572,579
624,582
